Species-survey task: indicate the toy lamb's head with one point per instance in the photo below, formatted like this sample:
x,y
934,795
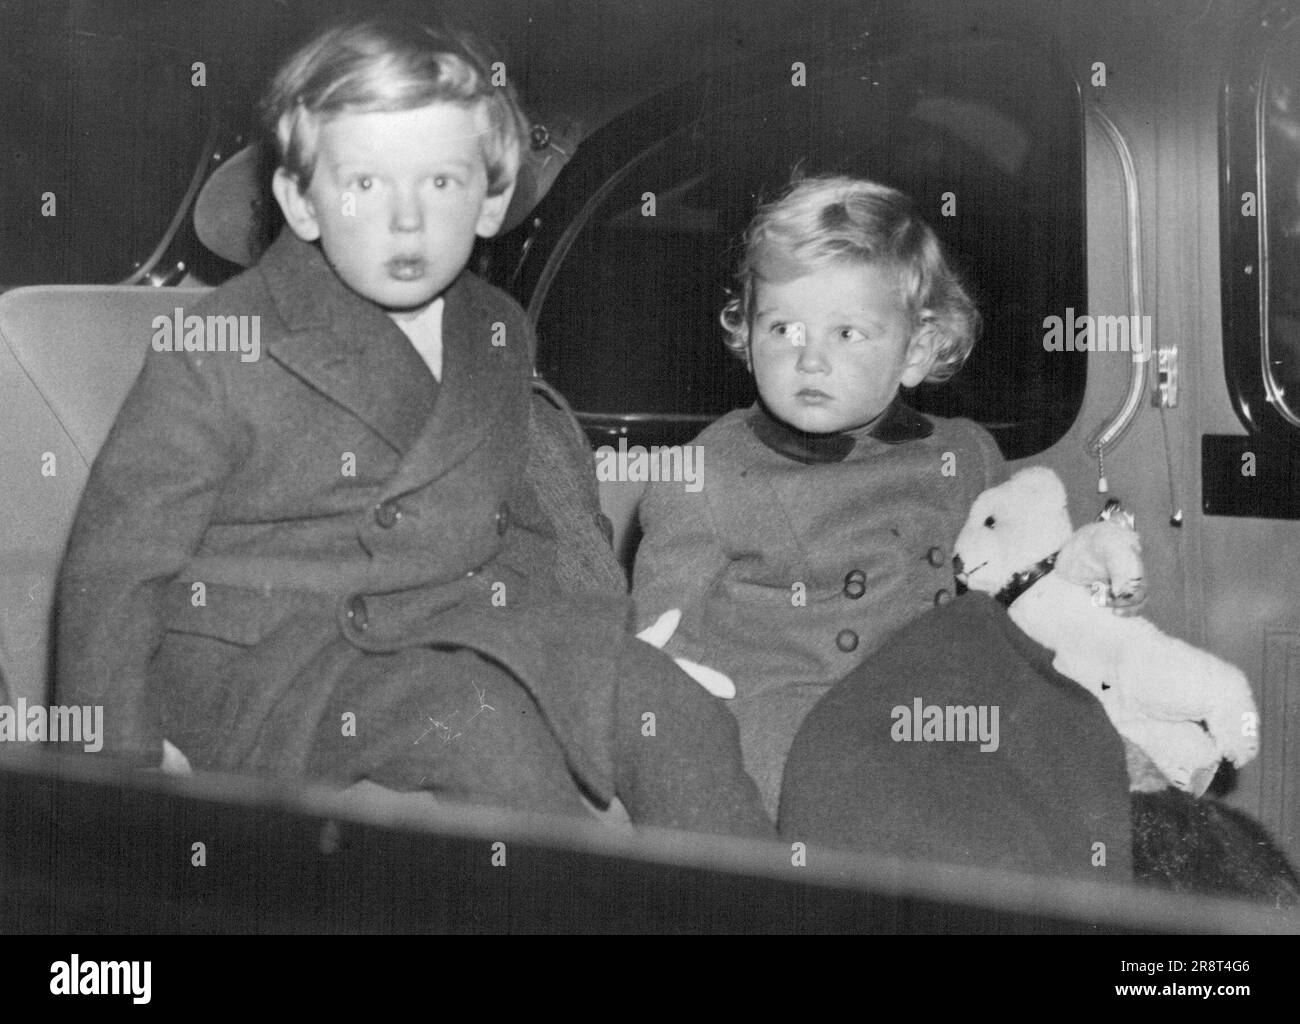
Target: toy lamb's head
x,y
1011,528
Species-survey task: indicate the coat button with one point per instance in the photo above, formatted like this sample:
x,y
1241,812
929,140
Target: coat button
x,y
387,515
503,519
935,557
855,584
847,640
357,614
942,596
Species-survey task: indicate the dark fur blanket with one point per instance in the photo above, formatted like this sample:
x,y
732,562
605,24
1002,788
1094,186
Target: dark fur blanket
x,y
1204,847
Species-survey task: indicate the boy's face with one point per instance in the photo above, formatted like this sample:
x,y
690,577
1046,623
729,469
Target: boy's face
x,y
397,199
830,349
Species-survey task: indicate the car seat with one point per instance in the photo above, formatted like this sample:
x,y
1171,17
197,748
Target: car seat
x,y
68,356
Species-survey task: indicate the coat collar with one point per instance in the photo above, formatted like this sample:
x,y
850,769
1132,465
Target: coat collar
x,y
350,350
484,388
897,424
345,347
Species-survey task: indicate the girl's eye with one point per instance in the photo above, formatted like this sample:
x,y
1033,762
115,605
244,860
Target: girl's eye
x,y
851,334
791,332
441,182
365,182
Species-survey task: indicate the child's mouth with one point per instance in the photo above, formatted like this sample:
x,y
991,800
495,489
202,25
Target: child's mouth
x,y
406,268
811,396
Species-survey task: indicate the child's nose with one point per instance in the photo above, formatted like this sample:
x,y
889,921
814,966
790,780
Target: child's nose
x,y
812,353
407,215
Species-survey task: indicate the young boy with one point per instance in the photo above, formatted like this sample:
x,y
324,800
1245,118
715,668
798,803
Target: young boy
x,y
330,560
829,509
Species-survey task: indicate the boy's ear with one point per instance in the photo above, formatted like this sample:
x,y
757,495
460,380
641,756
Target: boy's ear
x,y
921,351
298,210
493,212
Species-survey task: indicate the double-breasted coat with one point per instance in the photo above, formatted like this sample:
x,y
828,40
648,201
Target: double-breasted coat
x,y
251,532
797,555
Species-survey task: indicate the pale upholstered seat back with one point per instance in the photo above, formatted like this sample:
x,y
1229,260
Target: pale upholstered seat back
x,y
68,356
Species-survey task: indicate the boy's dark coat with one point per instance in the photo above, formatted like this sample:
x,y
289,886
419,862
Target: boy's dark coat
x,y
1055,786
236,475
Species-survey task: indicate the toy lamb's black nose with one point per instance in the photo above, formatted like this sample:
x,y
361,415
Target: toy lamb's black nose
x,y
958,574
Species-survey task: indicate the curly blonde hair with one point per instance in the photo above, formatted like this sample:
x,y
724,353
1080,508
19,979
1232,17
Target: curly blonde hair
x,y
827,220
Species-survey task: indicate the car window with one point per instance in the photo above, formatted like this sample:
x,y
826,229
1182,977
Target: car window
x,y
1280,145
628,318
1260,228
106,111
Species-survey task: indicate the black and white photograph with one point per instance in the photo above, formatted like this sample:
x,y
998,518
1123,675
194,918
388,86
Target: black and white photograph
x,y
614,467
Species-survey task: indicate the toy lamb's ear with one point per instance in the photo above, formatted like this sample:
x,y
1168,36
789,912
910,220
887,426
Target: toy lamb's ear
x,y
1043,484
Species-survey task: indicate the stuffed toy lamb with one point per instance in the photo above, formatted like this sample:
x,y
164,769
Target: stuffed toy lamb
x,y
1180,710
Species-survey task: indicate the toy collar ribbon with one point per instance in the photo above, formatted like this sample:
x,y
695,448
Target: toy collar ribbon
x,y
1022,581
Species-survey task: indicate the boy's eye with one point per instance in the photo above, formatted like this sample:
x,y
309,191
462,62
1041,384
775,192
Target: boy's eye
x,y
364,182
850,334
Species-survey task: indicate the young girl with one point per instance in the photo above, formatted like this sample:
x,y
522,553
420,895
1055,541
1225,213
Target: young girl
x,y
828,510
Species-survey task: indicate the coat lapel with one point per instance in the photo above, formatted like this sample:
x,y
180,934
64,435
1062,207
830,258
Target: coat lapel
x,y
346,348
484,392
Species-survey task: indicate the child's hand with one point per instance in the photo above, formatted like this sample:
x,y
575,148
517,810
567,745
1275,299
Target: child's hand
x,y
659,633
1107,557
173,761
1131,602
710,678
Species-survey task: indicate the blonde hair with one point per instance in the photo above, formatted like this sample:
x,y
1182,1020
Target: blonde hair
x,y
389,63
835,220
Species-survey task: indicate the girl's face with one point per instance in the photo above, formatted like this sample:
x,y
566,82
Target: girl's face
x,y
829,350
